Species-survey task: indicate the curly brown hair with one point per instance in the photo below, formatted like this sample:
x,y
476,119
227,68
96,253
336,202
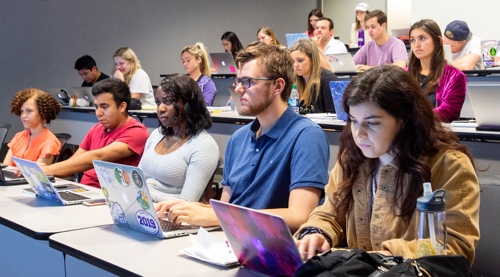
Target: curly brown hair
x,y
47,106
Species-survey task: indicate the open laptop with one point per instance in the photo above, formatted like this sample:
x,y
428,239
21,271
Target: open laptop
x,y
398,33
10,178
342,62
447,53
485,101
337,89
262,242
236,99
84,93
223,63
292,38
61,95
65,194
127,195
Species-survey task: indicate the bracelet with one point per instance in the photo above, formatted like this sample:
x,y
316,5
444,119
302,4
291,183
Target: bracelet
x,y
314,230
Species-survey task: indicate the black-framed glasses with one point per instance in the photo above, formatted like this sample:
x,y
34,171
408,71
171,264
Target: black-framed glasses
x,y
248,82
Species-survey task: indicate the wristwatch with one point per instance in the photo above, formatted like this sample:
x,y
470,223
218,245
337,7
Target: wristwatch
x,y
314,230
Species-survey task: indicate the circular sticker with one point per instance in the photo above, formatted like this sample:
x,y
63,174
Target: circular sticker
x,y
136,177
147,222
122,177
142,199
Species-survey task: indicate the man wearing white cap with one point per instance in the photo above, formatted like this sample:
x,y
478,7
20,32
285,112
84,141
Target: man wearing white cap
x,y
359,36
465,47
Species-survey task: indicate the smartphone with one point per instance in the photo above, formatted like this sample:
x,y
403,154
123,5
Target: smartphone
x,y
94,202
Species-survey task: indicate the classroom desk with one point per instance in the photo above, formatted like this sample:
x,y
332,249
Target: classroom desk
x,y
116,250
27,222
485,146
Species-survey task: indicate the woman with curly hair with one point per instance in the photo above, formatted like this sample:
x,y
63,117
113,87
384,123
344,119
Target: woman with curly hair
x,y
36,108
392,143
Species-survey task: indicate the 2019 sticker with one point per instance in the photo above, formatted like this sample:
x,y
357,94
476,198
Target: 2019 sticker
x,y
147,222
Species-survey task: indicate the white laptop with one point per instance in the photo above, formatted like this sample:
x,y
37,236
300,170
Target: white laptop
x,y
223,63
83,93
485,101
130,203
400,32
447,53
65,194
342,62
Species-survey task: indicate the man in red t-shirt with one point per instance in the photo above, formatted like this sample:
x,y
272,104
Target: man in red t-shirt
x,y
116,138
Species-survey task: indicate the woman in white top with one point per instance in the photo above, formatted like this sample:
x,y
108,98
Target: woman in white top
x,y
358,27
180,157
128,69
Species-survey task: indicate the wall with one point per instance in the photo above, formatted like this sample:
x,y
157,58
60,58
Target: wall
x,y
41,39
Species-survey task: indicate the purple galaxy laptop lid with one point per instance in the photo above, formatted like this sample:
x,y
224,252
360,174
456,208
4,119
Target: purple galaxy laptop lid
x,y
261,241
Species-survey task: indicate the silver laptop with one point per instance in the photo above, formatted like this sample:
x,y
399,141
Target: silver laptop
x,y
400,32
130,203
44,188
485,101
342,62
9,178
84,93
61,95
223,63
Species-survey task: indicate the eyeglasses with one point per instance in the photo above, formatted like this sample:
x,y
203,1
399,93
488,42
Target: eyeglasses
x,y
248,82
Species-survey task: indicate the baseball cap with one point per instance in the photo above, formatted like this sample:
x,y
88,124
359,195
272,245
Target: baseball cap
x,y
362,7
457,30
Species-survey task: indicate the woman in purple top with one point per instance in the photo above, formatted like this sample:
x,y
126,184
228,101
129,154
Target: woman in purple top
x,y
195,61
443,84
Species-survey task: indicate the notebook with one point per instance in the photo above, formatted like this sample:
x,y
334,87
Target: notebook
x,y
262,242
292,38
337,88
223,63
342,62
485,101
60,94
44,188
83,93
130,203
236,99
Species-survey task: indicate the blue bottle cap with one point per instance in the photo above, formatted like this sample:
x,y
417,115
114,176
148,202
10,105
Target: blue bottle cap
x,y
433,202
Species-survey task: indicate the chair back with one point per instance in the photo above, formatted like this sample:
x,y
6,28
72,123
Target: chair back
x,y
4,129
63,138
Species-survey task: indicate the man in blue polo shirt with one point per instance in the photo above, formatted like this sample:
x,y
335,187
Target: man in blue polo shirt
x,y
278,162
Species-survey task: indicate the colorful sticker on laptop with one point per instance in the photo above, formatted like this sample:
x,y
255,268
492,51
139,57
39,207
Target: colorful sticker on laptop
x,y
142,199
136,178
117,214
106,176
122,177
147,222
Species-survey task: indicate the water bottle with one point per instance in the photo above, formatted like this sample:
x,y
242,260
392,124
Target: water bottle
x,y
431,223
293,100
361,37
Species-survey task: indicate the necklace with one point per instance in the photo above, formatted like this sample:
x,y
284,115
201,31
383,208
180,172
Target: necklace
x,y
174,144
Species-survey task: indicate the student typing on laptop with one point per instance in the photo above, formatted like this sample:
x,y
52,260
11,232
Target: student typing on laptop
x,y
277,163
116,138
391,145
36,143
180,157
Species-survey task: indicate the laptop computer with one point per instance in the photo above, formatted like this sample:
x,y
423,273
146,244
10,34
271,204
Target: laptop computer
x,y
337,89
292,38
485,101
67,194
236,99
262,242
447,53
341,62
61,95
404,32
83,93
223,63
10,178
130,203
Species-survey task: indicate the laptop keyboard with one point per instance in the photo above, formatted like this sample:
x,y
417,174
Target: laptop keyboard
x,y
10,174
69,196
167,226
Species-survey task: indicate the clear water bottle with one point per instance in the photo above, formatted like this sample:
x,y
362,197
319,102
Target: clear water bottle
x,y
361,37
431,223
293,100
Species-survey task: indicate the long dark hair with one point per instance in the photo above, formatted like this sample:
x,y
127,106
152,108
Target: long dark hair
x,y
310,28
235,42
437,60
188,102
421,136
